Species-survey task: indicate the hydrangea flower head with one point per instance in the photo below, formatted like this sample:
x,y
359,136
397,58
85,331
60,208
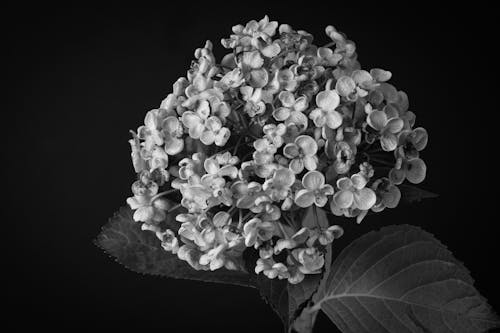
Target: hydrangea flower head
x,y
245,146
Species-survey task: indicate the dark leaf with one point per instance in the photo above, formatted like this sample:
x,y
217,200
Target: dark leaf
x,y
286,299
401,279
275,293
300,293
315,217
140,251
411,194
304,321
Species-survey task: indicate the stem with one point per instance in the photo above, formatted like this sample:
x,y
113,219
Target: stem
x,y
231,210
381,161
329,44
283,230
237,145
173,208
173,190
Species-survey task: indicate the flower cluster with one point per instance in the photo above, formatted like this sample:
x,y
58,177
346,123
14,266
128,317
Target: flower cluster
x,y
243,148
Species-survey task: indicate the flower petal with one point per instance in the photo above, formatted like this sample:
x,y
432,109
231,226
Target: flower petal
x,y
333,119
296,165
196,131
318,117
207,137
320,200
258,78
283,177
397,176
203,110
271,50
345,86
173,145
221,219
190,119
307,144
211,166
365,198
313,180
144,214
394,125
281,113
361,76
171,124
344,183
222,136
252,59
416,171
291,150
300,104
328,100
310,162
358,181
389,142
287,99
380,75
327,189
377,119
304,198
343,199
391,197
419,138
297,118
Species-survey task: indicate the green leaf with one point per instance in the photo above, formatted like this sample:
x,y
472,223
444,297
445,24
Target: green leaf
x,y
401,279
411,194
141,251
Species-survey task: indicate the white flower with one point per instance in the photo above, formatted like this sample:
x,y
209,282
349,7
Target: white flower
x,y
205,127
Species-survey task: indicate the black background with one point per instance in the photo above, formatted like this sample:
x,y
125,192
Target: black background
x,y
79,78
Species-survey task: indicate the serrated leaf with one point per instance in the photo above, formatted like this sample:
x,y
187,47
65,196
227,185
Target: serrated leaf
x,y
284,298
401,279
411,194
141,251
275,293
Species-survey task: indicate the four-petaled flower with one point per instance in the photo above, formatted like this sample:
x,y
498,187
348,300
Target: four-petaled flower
x,y
325,114
292,111
257,231
302,153
274,133
205,127
387,127
172,129
253,98
352,193
148,208
310,258
414,170
315,190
